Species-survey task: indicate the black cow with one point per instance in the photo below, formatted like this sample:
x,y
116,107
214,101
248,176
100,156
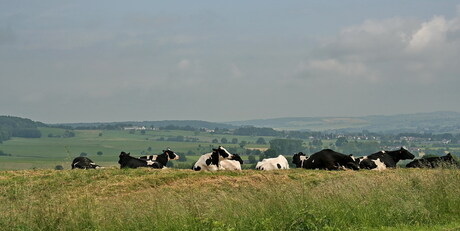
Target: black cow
x,y
211,161
162,158
299,159
384,159
127,161
83,163
434,162
330,160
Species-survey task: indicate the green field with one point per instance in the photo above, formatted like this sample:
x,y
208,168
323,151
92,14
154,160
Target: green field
x,y
47,152
173,199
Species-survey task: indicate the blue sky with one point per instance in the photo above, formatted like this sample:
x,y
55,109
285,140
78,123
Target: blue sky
x,y
87,61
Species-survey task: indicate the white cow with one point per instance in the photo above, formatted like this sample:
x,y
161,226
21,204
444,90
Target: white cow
x,y
279,162
218,159
230,165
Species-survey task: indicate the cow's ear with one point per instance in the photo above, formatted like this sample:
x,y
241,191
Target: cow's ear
x,y
214,149
164,151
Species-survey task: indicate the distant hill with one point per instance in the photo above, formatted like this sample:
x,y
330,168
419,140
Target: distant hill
x,y
179,123
435,122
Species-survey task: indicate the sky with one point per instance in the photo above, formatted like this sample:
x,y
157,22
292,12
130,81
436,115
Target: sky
x,y
106,61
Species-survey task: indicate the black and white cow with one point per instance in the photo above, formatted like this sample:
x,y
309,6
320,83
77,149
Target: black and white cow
x,y
330,160
384,159
299,159
232,164
434,162
162,158
279,162
211,161
127,161
84,163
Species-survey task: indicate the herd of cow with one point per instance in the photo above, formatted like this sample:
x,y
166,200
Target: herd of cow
x,y
327,159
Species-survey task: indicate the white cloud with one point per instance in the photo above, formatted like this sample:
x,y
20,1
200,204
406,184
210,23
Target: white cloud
x,y
390,50
432,33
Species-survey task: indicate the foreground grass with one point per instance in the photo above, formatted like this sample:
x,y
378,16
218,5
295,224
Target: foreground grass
x,y
297,199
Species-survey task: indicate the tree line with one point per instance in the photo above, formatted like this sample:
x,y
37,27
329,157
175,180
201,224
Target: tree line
x,y
18,127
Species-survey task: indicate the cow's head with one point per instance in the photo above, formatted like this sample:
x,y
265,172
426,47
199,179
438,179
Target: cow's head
x,y
237,158
298,159
404,154
171,155
352,162
222,152
123,156
218,154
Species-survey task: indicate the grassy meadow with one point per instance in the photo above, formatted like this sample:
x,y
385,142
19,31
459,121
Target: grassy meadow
x,y
173,199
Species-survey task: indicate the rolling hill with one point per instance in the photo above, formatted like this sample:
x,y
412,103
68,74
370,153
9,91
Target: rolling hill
x,y
434,122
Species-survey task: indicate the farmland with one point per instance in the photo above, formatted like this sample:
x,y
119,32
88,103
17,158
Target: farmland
x,y
51,150
56,147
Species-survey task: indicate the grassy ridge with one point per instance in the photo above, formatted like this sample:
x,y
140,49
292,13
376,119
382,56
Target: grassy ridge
x,y
297,199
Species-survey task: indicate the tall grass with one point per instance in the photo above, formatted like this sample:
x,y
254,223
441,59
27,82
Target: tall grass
x,y
145,199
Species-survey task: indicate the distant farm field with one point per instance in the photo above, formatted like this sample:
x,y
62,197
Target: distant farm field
x,y
173,199
51,150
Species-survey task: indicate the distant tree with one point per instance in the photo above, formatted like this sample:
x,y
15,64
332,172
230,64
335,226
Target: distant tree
x,y
268,154
215,141
83,154
341,141
286,146
234,141
317,142
100,153
261,140
243,143
149,149
59,167
100,134
4,154
143,132
223,140
252,159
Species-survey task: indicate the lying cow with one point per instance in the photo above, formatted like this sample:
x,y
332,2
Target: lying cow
x,y
162,158
232,164
279,162
299,159
434,162
211,161
384,159
330,160
84,163
127,161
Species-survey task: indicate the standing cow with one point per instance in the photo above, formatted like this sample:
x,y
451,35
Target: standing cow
x,y
279,162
